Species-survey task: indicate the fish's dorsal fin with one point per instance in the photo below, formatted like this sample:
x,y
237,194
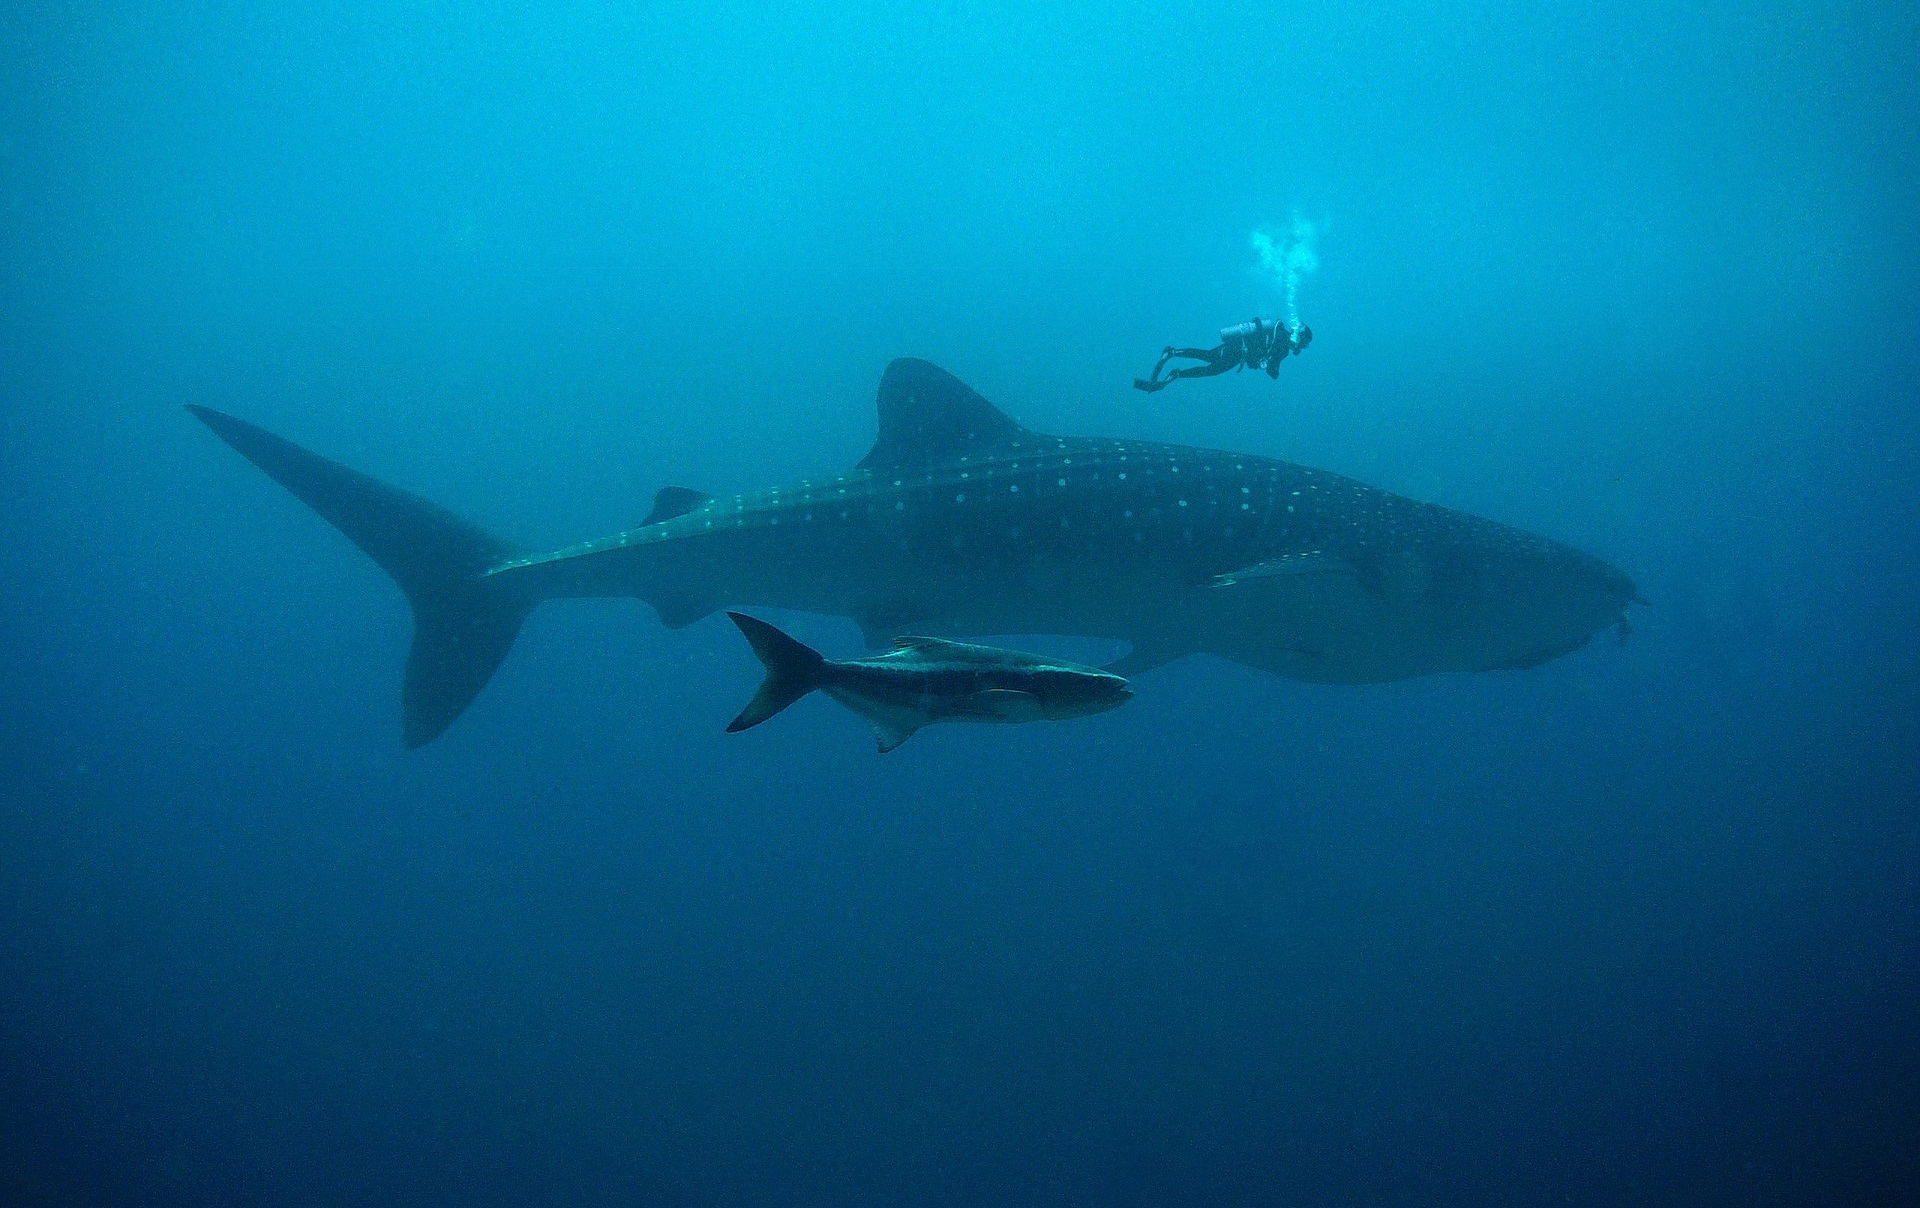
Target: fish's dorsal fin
x,y
928,415
960,652
909,641
670,502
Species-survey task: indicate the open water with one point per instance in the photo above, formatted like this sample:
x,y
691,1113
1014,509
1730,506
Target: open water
x,y
1640,926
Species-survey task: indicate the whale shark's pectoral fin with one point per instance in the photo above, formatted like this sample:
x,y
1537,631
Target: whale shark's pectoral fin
x,y
1312,562
1145,656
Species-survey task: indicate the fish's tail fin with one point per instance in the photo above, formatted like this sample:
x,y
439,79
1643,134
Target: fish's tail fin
x,y
793,670
464,622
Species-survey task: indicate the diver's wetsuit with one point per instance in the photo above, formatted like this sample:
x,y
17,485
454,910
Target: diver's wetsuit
x,y
1258,344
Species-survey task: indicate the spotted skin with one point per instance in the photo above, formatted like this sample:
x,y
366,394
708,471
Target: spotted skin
x,y
1178,550
960,522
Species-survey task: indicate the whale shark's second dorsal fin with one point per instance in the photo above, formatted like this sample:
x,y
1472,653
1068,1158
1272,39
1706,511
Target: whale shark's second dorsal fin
x,y
671,502
928,415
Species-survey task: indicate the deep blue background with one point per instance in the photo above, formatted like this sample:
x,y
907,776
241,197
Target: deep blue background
x,y
1642,925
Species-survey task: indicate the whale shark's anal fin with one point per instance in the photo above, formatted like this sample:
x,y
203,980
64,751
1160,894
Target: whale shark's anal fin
x,y
463,621
678,608
889,733
1145,656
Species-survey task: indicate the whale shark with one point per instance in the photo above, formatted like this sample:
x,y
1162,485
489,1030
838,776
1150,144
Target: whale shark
x,y
960,522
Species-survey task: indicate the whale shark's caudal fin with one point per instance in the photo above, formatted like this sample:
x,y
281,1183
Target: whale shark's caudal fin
x,y
463,622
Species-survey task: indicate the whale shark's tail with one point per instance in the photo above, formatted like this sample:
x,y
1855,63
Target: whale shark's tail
x,y
463,621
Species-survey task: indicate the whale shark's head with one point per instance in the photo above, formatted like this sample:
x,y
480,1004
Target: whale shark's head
x,y
1542,604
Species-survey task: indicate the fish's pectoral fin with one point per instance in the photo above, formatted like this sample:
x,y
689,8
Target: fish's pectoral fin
x,y
1009,704
890,734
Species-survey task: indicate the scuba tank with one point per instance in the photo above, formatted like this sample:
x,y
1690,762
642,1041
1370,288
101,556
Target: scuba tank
x,y
1252,342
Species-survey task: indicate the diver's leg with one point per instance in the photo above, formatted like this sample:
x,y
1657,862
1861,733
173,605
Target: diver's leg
x,y
1212,361
1217,361
1152,382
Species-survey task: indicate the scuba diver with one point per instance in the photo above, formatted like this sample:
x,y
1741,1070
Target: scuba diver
x,y
1257,345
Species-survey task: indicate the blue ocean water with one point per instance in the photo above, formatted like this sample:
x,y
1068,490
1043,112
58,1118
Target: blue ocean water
x,y
1639,926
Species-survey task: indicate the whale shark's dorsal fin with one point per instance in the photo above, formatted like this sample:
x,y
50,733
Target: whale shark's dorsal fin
x,y
928,415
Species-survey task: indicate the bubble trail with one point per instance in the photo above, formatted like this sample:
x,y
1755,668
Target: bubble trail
x,y
1285,257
